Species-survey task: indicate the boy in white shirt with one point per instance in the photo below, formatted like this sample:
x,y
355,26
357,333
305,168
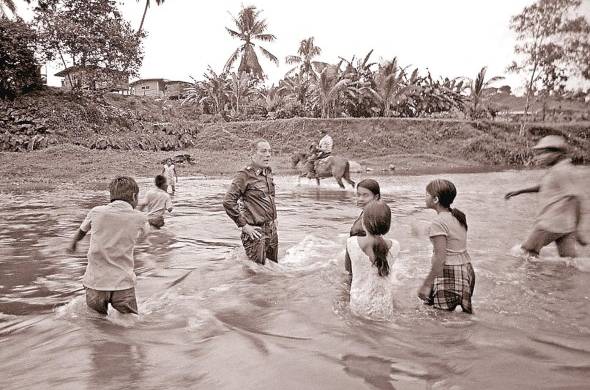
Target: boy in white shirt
x,y
156,202
114,229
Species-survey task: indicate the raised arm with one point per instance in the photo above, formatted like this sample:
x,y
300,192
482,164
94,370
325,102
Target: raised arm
x,y
522,191
438,262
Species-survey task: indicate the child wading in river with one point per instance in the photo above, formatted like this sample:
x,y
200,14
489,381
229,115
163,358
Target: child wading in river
x,y
451,280
114,229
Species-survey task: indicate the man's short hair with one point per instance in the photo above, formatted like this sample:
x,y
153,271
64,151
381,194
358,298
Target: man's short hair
x,y
123,188
254,144
160,181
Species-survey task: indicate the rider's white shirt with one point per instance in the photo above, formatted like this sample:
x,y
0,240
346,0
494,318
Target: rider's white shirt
x,y
326,144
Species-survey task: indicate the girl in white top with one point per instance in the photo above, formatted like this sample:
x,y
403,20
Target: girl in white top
x,y
371,257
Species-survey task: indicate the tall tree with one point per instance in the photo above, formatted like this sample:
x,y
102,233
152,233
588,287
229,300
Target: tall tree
x,y
88,33
304,58
248,28
553,44
147,5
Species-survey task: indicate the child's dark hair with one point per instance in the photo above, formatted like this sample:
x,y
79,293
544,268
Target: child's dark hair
x,y
123,188
159,181
377,221
370,185
446,192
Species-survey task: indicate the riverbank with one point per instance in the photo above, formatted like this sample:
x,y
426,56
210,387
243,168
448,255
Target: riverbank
x,y
51,138
76,166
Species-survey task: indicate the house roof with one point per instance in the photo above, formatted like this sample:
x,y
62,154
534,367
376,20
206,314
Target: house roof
x,y
143,81
70,69
177,82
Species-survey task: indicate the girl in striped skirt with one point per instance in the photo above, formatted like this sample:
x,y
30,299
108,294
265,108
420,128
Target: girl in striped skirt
x,y
451,279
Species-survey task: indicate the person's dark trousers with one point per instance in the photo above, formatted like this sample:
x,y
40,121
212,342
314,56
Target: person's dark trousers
x,y
266,247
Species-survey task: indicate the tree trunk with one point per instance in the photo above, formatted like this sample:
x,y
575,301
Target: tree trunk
x,y
528,100
544,108
147,5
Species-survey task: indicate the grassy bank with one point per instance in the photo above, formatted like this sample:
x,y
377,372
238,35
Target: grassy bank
x,y
62,138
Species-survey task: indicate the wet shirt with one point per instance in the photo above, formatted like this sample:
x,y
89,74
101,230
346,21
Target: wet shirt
x,y
155,202
557,212
114,230
256,189
444,224
326,144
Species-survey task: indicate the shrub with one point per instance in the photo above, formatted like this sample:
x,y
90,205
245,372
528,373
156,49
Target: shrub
x,y
19,72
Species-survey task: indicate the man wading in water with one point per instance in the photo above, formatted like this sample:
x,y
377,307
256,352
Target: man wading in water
x,y
255,187
560,200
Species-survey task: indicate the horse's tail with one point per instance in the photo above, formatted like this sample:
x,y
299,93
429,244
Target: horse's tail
x,y
347,170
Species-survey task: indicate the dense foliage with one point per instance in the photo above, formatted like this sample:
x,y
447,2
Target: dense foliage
x,y
19,70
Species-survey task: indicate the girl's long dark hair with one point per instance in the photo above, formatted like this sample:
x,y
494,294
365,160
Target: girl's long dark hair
x,y
370,185
377,221
446,192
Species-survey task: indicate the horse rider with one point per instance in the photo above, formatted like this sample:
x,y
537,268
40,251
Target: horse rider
x,y
323,150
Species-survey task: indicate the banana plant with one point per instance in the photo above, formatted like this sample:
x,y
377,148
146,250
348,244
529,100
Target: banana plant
x,y
477,89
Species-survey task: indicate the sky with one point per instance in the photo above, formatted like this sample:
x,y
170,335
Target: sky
x,y
450,38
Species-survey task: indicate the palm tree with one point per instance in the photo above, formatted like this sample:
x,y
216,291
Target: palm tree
x,y
389,86
477,89
7,5
307,51
361,71
250,27
211,93
273,100
240,87
296,88
147,5
330,85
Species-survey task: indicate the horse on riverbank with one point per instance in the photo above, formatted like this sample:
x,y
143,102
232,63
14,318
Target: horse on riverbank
x,y
331,166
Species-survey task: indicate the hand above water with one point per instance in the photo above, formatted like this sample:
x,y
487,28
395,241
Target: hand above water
x,y
581,240
424,292
72,247
254,232
511,194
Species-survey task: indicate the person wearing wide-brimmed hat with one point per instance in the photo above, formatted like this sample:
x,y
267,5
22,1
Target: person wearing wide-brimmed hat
x,y
560,200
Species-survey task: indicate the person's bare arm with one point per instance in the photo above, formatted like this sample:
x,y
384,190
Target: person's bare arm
x,y
80,234
578,211
347,263
438,262
522,191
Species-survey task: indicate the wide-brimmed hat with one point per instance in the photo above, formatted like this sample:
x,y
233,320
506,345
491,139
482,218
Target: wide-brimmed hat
x,y
551,142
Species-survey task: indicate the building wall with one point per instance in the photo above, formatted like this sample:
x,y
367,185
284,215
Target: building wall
x,y
153,88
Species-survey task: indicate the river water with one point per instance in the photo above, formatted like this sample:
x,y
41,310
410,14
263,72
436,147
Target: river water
x,y
211,319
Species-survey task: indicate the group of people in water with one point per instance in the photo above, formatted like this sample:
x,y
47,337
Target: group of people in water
x,y
370,257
